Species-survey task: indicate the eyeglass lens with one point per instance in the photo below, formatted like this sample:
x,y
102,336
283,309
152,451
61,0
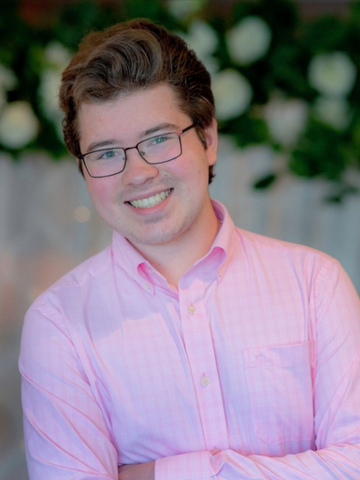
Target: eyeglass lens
x,y
158,149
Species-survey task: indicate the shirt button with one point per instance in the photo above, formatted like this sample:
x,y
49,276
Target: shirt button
x,y
204,381
260,358
191,309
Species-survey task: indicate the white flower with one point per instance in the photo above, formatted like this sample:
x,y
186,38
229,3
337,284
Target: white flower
x,y
232,94
286,119
203,40
332,74
57,56
249,40
184,8
48,90
335,112
7,78
48,98
18,125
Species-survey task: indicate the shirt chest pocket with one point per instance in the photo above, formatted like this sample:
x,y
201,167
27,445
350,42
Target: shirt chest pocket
x,y
280,388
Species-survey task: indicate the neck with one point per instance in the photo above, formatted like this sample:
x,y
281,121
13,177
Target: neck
x,y
175,258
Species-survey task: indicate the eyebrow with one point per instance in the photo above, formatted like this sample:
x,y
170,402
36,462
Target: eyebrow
x,y
143,135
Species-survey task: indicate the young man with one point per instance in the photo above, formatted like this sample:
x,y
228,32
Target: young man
x,y
189,349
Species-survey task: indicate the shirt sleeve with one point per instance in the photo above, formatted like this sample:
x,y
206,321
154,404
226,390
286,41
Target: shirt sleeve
x,y
65,430
336,396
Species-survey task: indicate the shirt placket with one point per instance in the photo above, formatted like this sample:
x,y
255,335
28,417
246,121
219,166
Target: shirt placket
x,y
202,360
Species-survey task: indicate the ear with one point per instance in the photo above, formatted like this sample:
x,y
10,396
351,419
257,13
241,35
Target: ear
x,y
211,136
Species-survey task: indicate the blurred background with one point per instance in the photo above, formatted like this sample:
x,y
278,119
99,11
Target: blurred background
x,y
287,90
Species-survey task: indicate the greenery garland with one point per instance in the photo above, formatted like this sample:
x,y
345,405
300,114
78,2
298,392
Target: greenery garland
x,y
279,79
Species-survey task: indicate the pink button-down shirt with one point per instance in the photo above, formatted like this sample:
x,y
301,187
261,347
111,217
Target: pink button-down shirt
x,y
251,370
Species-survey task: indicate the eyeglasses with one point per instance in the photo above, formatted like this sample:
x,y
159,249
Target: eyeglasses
x,y
154,150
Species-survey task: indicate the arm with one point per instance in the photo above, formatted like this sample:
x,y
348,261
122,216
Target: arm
x,y
65,429
141,471
336,392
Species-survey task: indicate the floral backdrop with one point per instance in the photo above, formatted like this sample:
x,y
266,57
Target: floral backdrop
x,y
287,95
279,79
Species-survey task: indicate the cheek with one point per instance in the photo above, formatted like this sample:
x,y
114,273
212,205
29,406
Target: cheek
x,y
100,191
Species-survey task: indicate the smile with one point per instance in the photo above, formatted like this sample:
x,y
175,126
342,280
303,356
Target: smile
x,y
151,201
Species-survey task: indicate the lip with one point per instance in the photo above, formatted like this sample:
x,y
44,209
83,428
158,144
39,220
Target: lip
x,y
149,209
147,194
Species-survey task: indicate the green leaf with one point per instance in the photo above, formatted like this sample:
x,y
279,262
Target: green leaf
x,y
265,182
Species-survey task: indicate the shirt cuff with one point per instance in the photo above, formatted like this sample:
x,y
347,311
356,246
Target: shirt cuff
x,y
188,466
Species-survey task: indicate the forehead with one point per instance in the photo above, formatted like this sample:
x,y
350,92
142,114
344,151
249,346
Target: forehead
x,y
127,117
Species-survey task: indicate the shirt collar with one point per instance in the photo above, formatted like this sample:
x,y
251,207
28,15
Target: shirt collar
x,y
129,259
224,242
212,265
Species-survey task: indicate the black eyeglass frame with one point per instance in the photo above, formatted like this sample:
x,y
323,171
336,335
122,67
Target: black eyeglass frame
x,y
179,134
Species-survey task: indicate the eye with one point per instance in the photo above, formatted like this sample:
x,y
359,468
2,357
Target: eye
x,y
159,139
114,153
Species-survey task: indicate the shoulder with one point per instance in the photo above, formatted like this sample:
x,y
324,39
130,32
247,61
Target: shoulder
x,y
278,254
285,257
293,271
267,245
73,283
50,322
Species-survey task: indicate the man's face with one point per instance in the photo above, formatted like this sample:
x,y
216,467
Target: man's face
x,y
179,188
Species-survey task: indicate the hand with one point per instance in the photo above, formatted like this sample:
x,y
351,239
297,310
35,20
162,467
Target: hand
x,y
138,471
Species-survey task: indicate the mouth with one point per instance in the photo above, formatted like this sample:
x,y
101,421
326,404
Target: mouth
x,y
151,201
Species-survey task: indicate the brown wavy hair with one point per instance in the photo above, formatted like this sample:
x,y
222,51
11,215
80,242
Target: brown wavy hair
x,y
128,57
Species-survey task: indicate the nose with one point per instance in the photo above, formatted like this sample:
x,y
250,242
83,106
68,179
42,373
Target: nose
x,y
137,171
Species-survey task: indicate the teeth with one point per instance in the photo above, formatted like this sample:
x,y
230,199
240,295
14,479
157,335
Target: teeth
x,y
150,201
